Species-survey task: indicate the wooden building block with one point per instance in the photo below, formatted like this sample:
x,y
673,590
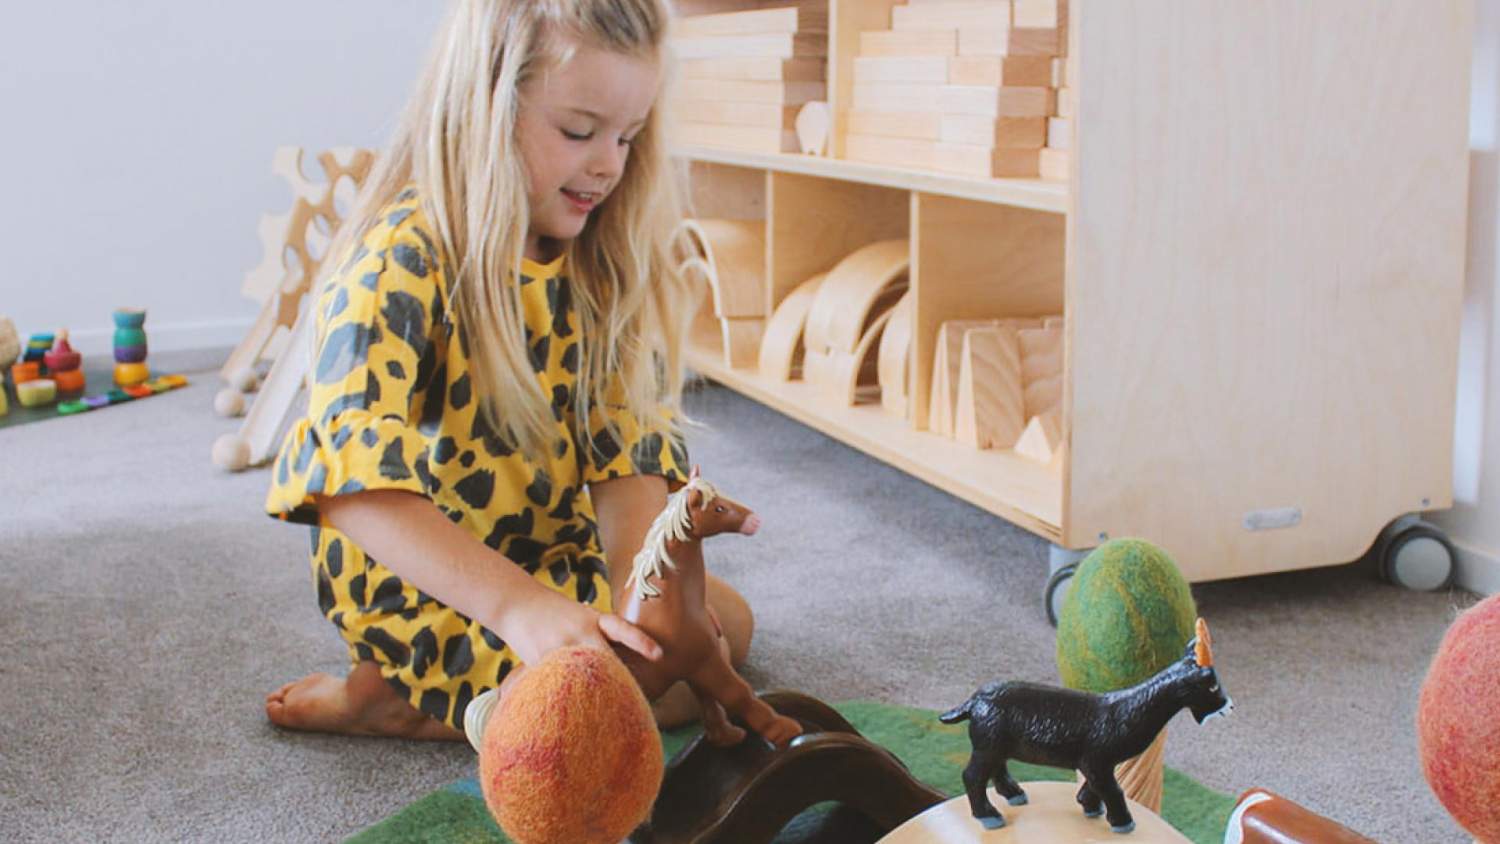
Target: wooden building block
x,y
1059,72
917,125
991,101
894,358
814,123
742,341
781,348
756,69
984,162
1036,14
1041,353
866,283
989,407
752,91
770,46
741,138
906,69
1064,102
894,96
735,254
1059,132
996,41
807,17
946,359
1016,71
915,42
976,161
977,130
1053,165
1042,395
951,15
724,113
1042,439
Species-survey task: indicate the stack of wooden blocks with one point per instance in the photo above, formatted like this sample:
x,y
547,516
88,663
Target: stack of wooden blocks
x,y
746,74
998,384
960,87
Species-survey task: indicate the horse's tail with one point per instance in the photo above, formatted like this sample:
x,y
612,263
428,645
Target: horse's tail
x,y
957,713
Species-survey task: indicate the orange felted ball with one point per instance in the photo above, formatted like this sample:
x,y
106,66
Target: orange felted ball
x,y
1458,721
571,752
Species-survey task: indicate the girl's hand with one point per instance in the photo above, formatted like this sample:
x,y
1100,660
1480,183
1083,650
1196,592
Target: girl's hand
x,y
542,621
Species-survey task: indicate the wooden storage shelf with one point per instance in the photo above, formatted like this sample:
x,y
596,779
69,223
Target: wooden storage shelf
x,y
1034,194
1257,258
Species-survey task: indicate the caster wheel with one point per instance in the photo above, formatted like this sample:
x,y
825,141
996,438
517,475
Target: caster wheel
x,y
1419,558
1057,590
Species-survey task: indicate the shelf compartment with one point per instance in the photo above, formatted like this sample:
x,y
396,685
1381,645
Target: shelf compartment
x,y
1017,489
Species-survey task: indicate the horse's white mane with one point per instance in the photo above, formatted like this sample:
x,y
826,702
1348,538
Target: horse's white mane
x,y
671,523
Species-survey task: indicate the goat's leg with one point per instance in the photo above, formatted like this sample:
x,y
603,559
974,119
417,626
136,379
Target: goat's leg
x,y
1007,785
976,779
1092,806
1101,779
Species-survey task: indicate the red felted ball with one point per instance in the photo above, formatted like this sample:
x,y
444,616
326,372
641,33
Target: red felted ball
x,y
571,752
1458,721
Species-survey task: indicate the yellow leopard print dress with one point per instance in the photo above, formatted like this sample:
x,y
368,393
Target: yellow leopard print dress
x,y
393,407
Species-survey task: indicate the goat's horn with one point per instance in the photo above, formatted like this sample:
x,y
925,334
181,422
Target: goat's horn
x,y
1204,653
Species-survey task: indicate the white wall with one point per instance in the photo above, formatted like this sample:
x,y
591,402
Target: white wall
x,y
137,138
1474,521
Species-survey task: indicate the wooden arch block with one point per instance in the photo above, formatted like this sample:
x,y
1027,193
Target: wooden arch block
x,y
736,250
781,349
894,358
867,281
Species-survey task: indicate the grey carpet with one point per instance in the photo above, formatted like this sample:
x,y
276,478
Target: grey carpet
x,y
147,606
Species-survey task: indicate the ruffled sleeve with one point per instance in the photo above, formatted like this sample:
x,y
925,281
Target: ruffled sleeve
x,y
379,321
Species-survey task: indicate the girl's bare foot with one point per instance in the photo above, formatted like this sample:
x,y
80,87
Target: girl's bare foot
x,y
362,704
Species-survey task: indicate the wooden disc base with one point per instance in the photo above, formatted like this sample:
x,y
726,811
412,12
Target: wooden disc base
x,y
746,794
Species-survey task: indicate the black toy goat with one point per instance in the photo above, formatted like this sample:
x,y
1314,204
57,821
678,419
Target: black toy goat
x,y
1091,733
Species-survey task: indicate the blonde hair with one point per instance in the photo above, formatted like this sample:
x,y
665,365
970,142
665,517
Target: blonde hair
x,y
671,523
457,144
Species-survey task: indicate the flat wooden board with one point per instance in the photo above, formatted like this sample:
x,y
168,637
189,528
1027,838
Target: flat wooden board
x,y
1051,817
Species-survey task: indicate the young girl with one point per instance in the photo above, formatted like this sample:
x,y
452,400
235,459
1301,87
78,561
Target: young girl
x,y
498,369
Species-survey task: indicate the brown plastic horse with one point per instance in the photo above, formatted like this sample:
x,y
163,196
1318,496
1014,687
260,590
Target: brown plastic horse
x,y
668,601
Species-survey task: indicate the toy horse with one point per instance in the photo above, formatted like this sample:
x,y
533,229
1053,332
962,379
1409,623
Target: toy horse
x,y
1090,733
667,600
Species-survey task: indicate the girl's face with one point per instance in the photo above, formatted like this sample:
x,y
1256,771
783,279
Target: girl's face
x,y
574,126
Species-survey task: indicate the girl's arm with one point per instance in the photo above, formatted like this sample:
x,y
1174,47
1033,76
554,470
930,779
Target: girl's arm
x,y
626,507
412,538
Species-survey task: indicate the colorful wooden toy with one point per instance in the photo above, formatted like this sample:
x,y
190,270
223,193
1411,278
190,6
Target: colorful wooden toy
x,y
129,318
10,343
121,395
20,373
64,365
37,392
130,374
4,400
130,347
37,348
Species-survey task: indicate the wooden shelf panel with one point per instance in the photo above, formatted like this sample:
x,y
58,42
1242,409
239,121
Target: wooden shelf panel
x,y
1021,491
1034,194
